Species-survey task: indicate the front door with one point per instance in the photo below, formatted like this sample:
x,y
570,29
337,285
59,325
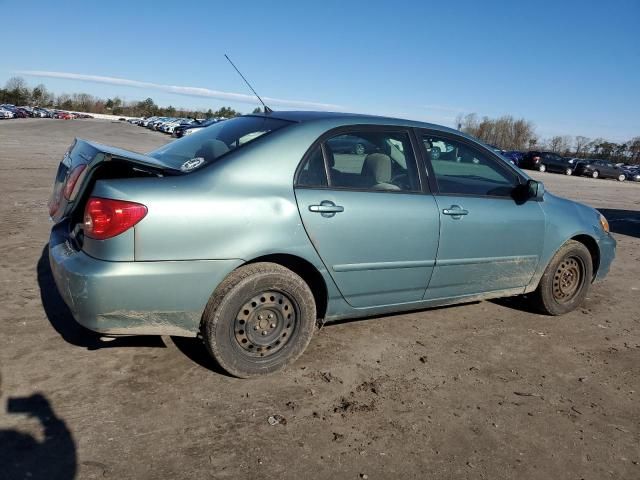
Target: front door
x,y
488,240
364,211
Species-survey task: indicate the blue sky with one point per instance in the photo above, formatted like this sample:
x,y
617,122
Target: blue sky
x,y
571,67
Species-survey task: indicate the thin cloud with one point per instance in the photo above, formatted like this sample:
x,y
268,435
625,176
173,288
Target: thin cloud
x,y
180,90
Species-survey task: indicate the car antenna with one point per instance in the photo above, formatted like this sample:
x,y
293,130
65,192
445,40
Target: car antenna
x,y
267,110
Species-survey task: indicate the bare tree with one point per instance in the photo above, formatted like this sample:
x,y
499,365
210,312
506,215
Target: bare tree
x,y
580,144
505,132
594,146
16,83
634,149
559,144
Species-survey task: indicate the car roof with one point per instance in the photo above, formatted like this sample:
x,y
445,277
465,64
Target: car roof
x,y
352,118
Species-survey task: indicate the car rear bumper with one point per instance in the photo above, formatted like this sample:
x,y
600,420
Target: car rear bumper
x,y
134,298
607,246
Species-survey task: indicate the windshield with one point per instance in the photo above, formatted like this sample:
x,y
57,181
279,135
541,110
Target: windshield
x,y
211,143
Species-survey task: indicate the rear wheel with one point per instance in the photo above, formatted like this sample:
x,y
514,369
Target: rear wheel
x,y
595,174
566,280
621,178
259,320
568,171
542,167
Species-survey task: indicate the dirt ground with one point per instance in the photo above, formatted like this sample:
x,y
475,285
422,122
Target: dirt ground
x,y
485,390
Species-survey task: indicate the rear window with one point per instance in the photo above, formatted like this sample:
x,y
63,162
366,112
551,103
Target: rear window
x,y
212,143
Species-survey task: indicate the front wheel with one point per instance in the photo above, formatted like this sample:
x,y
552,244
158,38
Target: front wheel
x,y
542,167
259,320
566,280
568,171
595,174
621,178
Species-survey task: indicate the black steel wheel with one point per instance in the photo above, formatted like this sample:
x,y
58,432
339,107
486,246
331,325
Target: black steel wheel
x,y
266,323
566,280
259,320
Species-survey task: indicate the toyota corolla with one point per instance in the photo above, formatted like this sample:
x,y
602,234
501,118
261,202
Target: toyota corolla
x,y
253,231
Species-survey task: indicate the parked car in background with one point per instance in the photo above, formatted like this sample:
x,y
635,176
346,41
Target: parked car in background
x,y
184,130
24,112
252,231
169,127
632,172
496,149
17,111
5,113
600,169
514,156
43,112
154,124
352,144
146,121
547,161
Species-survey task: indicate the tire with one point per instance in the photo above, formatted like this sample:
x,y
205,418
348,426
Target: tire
x,y
595,174
621,178
568,172
542,167
259,320
566,280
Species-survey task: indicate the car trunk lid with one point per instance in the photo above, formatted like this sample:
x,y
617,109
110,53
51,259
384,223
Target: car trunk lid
x,y
85,161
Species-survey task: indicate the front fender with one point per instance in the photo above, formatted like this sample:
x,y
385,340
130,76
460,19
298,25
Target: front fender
x,y
567,220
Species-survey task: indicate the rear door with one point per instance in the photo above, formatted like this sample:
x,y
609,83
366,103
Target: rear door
x,y
365,212
488,240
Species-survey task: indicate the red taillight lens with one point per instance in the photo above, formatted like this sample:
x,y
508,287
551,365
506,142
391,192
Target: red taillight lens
x,y
72,180
53,206
105,218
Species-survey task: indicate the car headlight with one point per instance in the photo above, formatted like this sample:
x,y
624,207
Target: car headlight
x,y
604,223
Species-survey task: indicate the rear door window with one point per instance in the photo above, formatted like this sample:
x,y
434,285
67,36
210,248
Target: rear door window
x,y
372,160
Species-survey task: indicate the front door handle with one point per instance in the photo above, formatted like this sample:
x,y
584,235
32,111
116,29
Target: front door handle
x,y
327,208
455,211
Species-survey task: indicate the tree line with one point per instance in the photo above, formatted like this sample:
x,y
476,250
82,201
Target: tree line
x,y
509,133
504,132
17,92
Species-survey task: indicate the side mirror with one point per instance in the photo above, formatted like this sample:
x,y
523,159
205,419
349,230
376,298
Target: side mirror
x,y
535,189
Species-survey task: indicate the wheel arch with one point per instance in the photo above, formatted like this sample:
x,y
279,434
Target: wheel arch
x,y
305,270
592,245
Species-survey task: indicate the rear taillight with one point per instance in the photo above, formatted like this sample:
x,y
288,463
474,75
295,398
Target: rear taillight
x,y
72,180
105,218
54,204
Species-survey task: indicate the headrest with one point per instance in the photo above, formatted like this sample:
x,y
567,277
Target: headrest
x,y
378,166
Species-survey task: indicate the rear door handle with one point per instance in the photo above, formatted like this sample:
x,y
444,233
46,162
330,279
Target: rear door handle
x,y
327,208
455,211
